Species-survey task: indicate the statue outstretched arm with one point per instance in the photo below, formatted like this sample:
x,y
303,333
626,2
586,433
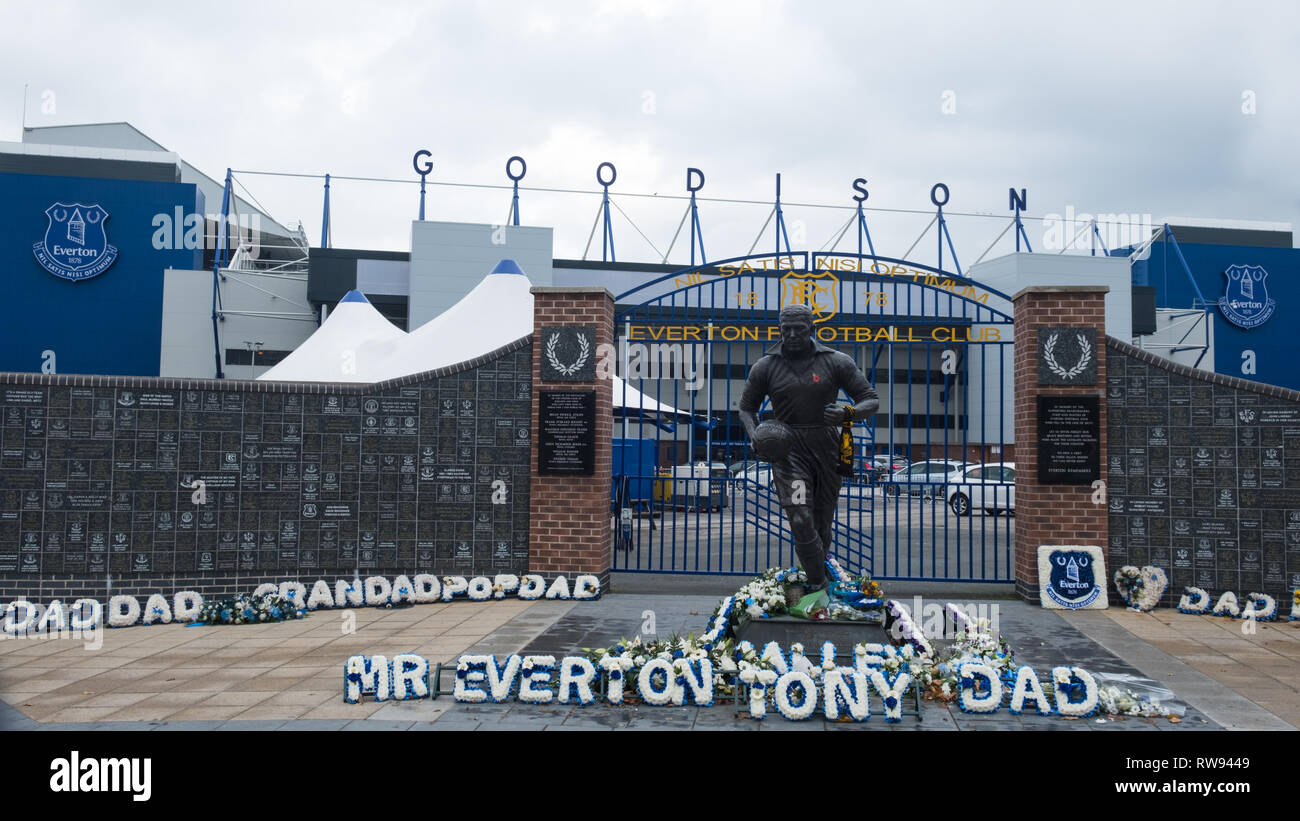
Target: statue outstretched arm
x,y
855,384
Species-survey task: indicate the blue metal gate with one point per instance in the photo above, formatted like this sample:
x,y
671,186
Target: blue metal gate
x,y
937,347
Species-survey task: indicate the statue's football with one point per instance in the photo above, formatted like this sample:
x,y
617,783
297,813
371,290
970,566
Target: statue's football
x,y
773,440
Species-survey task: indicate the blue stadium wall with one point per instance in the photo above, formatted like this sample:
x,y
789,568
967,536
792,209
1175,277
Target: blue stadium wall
x,y
111,323
1275,342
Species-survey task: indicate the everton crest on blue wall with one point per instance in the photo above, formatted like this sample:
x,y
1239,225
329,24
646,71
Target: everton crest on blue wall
x,y
1245,302
75,246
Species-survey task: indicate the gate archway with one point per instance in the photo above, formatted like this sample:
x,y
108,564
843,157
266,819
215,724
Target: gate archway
x,y
937,346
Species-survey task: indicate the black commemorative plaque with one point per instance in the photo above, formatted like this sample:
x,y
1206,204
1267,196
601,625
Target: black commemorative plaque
x,y
567,425
1069,440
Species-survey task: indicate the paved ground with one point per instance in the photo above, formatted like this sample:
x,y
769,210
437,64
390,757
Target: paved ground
x,y
1242,680
290,675
271,672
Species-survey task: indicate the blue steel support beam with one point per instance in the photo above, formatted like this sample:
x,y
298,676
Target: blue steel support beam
x,y
697,231
780,222
325,217
943,225
1020,201
219,260
863,231
423,171
514,202
607,232
1186,268
1097,240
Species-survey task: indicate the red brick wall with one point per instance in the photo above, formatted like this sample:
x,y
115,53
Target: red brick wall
x,y
1052,514
570,530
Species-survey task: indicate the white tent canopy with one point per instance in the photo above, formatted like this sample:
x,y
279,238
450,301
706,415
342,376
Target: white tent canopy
x,y
343,349
628,398
498,311
357,344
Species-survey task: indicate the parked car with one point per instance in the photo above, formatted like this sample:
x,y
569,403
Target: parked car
x,y
757,477
923,478
885,465
990,487
760,475
735,468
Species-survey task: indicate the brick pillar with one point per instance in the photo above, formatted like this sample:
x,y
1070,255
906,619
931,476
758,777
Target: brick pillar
x,y
570,530
1053,514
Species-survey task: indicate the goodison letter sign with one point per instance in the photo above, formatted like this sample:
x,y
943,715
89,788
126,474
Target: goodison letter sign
x,y
75,246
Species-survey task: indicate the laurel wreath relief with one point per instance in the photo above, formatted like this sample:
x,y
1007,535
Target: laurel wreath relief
x,y
1052,365
584,350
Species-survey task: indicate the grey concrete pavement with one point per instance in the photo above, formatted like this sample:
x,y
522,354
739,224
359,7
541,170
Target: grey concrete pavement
x,y
302,689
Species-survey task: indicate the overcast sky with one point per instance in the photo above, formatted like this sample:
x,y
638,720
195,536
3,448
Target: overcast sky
x,y
1185,109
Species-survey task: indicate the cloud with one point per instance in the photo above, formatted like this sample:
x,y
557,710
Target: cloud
x,y
1107,107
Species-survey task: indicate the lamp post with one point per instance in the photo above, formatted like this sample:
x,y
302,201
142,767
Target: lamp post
x,y
254,351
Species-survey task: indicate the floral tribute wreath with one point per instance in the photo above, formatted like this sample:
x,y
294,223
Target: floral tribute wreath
x,y
979,670
1141,587
1258,606
285,601
255,609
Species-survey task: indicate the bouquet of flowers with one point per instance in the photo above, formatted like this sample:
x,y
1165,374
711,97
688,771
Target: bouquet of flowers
x,y
1113,700
630,655
852,597
977,643
245,609
764,597
919,666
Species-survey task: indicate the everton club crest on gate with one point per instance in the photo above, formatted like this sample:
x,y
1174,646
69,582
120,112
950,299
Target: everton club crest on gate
x,y
817,289
75,245
1246,303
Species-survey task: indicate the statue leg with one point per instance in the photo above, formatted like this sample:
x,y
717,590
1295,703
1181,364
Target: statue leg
x,y
793,482
828,497
826,490
825,534
808,544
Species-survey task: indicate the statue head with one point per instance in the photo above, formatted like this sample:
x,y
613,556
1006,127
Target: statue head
x,y
796,329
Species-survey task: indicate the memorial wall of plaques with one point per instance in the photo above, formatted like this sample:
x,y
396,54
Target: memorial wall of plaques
x,y
203,479
1203,480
